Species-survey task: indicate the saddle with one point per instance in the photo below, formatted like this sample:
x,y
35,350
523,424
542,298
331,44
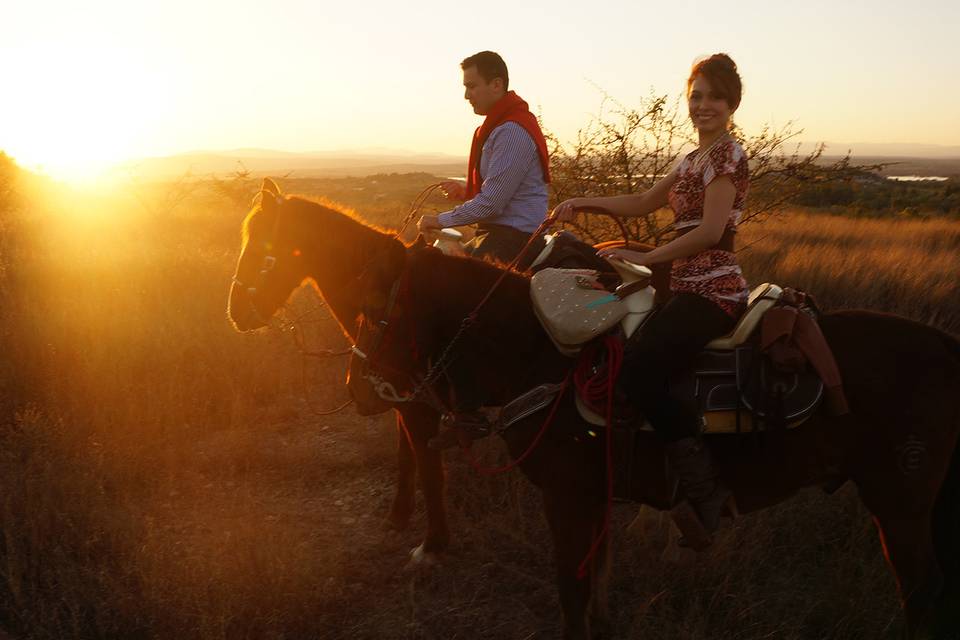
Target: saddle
x,y
759,376
737,384
770,373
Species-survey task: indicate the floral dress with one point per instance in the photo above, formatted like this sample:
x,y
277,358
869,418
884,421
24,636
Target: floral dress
x,y
713,273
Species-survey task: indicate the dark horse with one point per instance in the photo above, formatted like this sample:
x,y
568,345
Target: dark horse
x,y
898,446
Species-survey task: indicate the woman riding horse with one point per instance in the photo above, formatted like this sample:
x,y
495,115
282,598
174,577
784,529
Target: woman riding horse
x,y
706,191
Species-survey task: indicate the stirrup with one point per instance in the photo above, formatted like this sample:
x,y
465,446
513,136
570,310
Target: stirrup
x,y
461,430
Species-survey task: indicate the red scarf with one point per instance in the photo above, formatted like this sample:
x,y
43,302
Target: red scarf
x,y
509,108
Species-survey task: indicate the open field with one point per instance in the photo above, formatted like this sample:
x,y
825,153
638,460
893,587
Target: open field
x,y
167,477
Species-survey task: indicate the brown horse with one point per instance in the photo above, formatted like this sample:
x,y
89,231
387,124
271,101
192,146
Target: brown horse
x,y
898,445
274,261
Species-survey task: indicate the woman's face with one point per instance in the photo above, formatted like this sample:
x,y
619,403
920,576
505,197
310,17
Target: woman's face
x,y
708,111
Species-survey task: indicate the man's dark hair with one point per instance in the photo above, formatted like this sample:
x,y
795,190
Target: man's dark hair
x,y
489,65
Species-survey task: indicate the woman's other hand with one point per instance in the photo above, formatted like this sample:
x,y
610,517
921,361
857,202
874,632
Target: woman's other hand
x,y
566,210
619,253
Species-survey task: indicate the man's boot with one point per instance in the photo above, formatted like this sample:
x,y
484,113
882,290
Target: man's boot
x,y
461,429
693,464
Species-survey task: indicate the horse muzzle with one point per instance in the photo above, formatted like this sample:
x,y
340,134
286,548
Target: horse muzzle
x,y
241,310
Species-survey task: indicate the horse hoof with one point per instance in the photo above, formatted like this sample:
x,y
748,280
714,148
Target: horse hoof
x,y
422,560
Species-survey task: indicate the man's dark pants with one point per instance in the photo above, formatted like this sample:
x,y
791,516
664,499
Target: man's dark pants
x,y
503,243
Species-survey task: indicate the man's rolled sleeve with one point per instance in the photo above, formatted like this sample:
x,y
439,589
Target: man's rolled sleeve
x,y
511,152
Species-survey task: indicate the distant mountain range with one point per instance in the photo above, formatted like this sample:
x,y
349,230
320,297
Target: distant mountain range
x,y
892,150
300,164
358,162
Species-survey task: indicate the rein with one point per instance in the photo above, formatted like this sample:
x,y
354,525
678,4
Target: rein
x,y
295,325
416,205
423,390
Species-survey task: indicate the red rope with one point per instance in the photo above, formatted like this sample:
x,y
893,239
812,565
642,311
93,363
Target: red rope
x,y
489,471
592,385
596,384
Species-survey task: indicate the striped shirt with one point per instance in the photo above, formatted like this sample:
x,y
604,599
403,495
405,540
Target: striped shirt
x,y
513,192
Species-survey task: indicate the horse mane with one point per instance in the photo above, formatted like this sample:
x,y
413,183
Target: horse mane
x,y
334,216
476,276
446,289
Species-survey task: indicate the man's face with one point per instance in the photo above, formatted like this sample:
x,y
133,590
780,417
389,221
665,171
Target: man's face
x,y
481,94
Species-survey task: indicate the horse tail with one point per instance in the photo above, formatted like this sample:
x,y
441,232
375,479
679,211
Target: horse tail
x,y
946,529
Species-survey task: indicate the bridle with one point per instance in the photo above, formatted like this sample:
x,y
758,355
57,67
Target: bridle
x,y
267,265
423,387
371,365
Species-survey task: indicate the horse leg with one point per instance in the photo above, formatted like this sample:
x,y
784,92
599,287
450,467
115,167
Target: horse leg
x,y
599,609
908,548
946,540
899,477
573,522
421,424
403,501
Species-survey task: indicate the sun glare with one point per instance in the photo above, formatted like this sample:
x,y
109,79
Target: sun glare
x,y
82,109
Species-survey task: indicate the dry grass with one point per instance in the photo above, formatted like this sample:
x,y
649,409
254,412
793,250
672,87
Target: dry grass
x,y
905,267
163,476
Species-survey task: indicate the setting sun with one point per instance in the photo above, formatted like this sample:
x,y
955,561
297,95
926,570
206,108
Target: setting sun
x,y
81,104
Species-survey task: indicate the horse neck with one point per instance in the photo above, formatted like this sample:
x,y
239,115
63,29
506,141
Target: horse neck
x,y
507,339
337,258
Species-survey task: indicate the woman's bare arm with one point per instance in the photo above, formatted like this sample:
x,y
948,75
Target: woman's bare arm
x,y
718,202
626,206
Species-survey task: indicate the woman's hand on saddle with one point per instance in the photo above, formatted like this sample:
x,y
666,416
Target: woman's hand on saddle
x,y
619,253
454,190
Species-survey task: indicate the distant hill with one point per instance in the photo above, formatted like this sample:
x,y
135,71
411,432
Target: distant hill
x,y
304,165
906,166
904,159
893,150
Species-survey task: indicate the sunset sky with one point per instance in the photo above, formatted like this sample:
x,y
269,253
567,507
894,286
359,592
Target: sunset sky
x,y
101,81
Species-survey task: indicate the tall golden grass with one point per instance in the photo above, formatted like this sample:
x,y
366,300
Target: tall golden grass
x,y
163,476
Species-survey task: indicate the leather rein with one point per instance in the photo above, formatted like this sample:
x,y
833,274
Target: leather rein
x,y
423,389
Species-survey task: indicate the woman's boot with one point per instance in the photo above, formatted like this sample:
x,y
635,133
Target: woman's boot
x,y
699,481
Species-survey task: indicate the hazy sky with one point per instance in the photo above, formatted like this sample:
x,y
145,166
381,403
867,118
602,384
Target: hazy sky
x,y
103,80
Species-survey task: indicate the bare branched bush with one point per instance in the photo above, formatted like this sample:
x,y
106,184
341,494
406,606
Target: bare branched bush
x,y
160,199
239,186
626,150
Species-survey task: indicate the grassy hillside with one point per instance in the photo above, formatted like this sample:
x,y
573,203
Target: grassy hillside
x,y
166,477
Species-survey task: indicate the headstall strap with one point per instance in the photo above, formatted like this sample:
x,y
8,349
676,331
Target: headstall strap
x,y
423,391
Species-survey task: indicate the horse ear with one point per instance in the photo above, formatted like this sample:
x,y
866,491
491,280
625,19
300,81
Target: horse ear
x,y
266,199
269,195
270,187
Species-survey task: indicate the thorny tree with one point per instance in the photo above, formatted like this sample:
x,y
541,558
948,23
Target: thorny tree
x,y
626,150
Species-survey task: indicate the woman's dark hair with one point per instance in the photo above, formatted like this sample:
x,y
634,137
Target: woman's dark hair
x,y
721,71
489,65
